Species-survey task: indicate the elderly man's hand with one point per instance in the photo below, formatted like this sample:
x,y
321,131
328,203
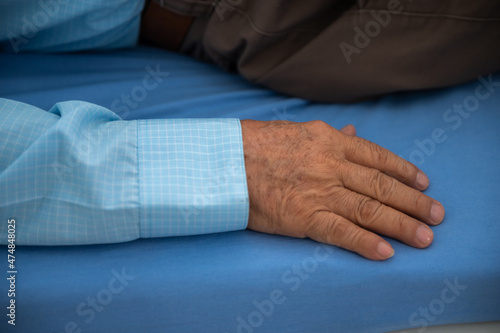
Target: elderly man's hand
x,y
311,180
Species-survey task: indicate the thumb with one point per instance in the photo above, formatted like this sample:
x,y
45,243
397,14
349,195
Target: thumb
x,y
349,130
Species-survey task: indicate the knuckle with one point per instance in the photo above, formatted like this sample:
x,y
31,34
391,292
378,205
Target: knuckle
x,y
312,226
406,169
327,226
340,167
320,125
380,155
367,211
421,201
382,185
400,224
336,230
354,237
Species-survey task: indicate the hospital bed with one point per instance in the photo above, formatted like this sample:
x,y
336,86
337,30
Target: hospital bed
x,y
246,281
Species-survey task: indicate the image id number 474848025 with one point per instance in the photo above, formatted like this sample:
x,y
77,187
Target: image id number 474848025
x,y
11,271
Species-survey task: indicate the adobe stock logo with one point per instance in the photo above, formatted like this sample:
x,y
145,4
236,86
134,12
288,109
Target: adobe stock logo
x,y
454,116
283,114
427,314
34,23
88,309
362,38
129,101
292,279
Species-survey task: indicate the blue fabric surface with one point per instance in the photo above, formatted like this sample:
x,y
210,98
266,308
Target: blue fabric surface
x,y
250,282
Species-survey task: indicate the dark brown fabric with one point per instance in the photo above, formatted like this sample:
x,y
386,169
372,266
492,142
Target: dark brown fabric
x,y
343,51
163,28
198,8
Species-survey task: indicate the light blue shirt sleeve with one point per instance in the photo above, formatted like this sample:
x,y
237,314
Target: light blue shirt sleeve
x,y
78,174
68,25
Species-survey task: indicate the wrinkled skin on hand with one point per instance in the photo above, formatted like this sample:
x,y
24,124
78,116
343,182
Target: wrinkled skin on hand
x,y
311,180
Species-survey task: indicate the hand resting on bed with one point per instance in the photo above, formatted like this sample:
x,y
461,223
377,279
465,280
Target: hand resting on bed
x,y
311,180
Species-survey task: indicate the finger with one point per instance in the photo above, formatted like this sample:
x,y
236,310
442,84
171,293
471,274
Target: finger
x,y
372,215
349,130
371,155
391,192
330,228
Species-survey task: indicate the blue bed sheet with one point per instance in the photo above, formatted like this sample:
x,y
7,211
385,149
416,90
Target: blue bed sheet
x,y
250,282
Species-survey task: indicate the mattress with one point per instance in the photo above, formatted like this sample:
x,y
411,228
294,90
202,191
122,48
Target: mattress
x,y
246,281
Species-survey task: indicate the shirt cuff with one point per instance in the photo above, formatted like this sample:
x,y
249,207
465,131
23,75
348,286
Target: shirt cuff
x,y
192,176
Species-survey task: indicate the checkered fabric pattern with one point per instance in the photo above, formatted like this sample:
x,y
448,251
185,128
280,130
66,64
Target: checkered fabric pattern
x,y
78,174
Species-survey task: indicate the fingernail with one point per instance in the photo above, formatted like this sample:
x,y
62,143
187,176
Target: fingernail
x,y
422,180
385,250
424,235
437,213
